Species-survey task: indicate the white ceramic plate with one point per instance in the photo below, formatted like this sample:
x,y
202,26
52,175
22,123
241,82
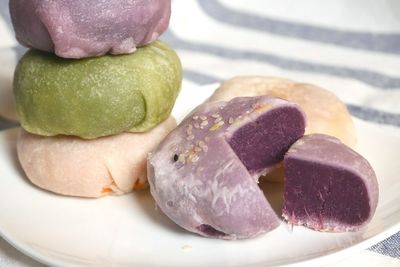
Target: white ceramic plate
x,y
128,231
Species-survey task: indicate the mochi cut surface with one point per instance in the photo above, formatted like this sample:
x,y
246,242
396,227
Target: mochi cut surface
x,y
204,175
326,113
328,186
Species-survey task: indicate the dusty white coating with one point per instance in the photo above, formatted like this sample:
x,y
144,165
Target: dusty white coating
x,y
197,179
77,29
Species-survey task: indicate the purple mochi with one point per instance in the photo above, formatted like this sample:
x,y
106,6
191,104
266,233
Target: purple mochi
x,y
78,29
204,175
328,186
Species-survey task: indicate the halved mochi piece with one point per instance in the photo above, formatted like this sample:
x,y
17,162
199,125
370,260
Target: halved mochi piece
x,y
204,175
328,186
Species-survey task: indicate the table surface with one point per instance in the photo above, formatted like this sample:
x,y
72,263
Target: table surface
x,y
354,54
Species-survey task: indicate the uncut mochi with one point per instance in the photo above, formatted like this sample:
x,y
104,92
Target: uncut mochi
x,y
328,186
96,97
77,29
89,168
204,175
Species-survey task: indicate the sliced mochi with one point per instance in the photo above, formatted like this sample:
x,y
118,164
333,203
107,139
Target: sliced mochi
x,y
328,186
326,113
204,175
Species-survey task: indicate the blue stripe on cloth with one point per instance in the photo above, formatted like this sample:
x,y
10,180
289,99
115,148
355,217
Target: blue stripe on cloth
x,y
369,77
6,124
382,42
200,78
374,115
4,13
20,51
364,113
389,247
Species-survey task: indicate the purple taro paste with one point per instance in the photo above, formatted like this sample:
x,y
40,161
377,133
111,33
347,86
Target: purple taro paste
x,y
328,186
78,29
204,175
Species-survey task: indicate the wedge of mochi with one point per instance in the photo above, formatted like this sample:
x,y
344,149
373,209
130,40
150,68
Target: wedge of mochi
x,y
89,168
77,29
96,97
328,186
204,175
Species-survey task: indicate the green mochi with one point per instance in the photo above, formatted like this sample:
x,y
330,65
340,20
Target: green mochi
x,y
99,96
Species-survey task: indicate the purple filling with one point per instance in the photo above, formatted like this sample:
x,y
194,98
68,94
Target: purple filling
x,y
263,142
328,194
210,231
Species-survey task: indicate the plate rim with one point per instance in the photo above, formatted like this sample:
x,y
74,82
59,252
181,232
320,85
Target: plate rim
x,y
334,256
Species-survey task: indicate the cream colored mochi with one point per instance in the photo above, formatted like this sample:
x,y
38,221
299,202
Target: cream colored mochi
x,y
89,168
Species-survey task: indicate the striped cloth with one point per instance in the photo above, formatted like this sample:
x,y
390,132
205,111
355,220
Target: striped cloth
x,y
350,47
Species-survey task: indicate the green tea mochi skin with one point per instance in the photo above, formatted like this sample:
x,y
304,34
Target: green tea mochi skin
x,y
99,96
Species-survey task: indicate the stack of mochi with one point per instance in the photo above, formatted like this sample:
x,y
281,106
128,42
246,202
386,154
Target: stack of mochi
x,y
95,92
